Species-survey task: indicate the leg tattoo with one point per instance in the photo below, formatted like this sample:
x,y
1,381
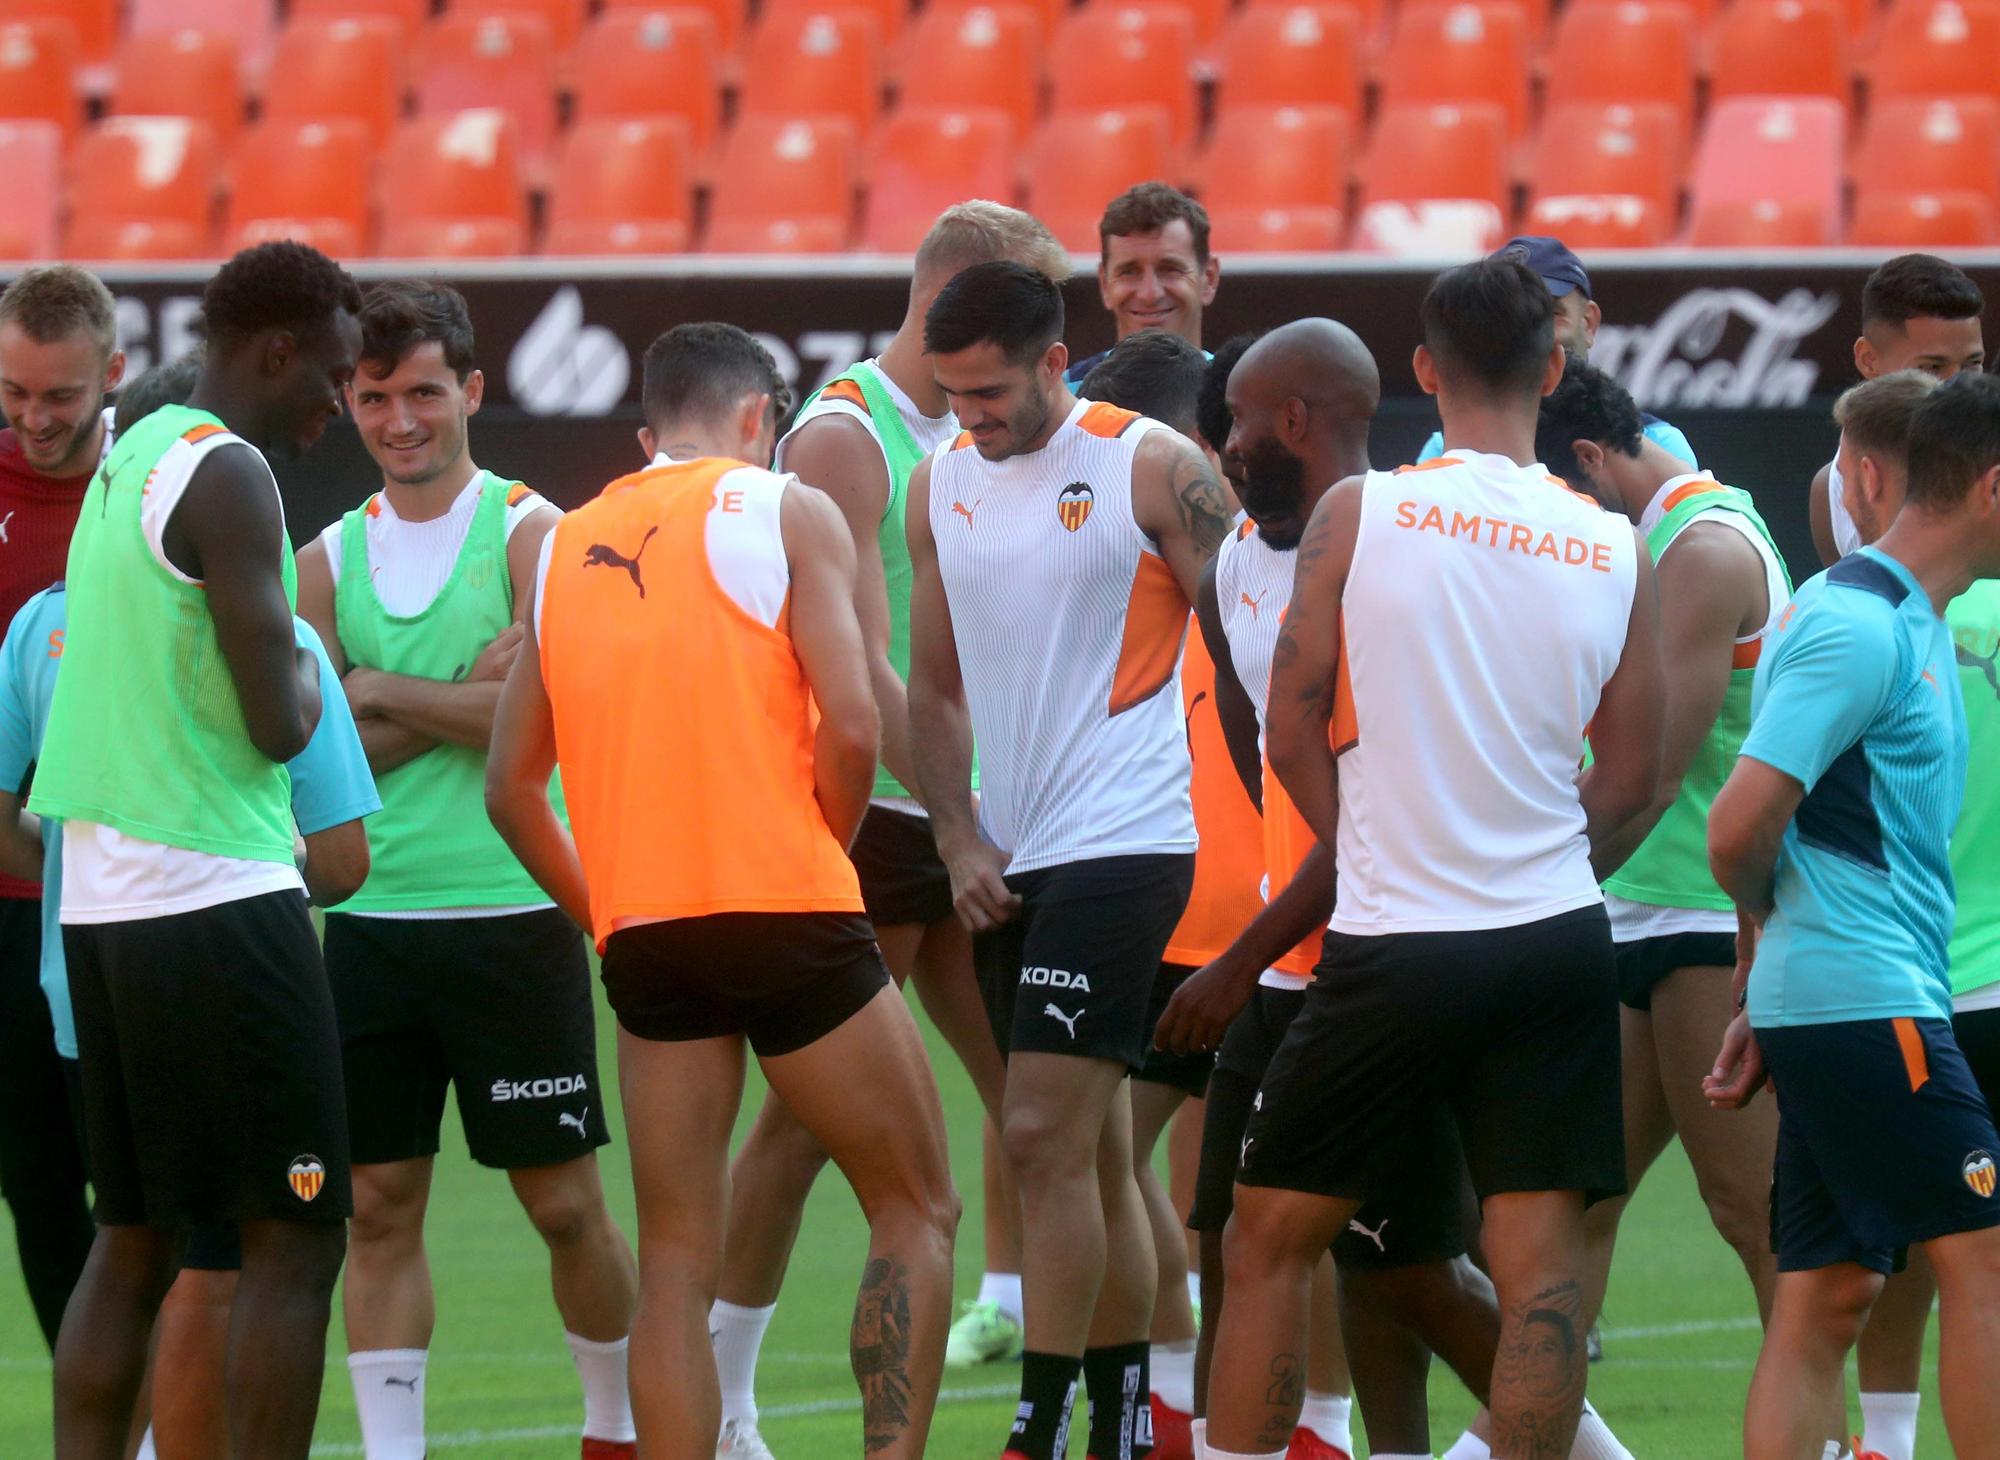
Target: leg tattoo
x,y
1282,1398
1538,1375
880,1350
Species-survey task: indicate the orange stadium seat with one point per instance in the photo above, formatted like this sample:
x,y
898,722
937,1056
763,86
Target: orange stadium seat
x,y
1631,51
143,188
1600,220
1049,14
1459,53
1599,149
1077,164
408,15
564,18
456,186
819,62
1949,144
504,61
181,73
1114,57
338,70
38,65
1295,55
925,159
1435,180
250,23
1368,14
1788,223
623,187
1937,48
648,63
308,181
1207,16
784,186
31,161
1894,219
890,15
1780,48
982,56
1276,230
1278,175
1769,172
729,16
95,21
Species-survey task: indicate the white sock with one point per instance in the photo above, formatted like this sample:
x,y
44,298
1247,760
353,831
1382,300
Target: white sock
x,y
1198,1432
389,1396
607,1402
737,1333
1594,1440
1215,1454
1170,1369
1003,1288
1330,1416
146,1450
1889,1424
1469,1446
1833,1451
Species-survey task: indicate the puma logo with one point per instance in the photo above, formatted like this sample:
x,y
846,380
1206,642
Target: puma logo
x,y
1374,1236
1985,664
3,527
1068,1021
565,1118
603,555
391,1381
1187,720
966,512
1252,603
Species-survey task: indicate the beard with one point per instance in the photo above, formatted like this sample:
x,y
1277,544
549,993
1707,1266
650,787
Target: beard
x,y
1273,491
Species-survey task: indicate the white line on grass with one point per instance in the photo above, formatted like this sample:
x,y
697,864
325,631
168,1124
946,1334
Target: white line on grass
x,y
1674,1330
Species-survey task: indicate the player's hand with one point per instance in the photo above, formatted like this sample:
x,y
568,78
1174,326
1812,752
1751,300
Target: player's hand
x,y
1201,1009
497,657
979,892
1739,1068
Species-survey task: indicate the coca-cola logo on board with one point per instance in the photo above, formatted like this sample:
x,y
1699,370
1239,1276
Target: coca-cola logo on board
x,y
1681,360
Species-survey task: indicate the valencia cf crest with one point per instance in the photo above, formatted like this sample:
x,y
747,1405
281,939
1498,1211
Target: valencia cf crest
x,y
1979,1173
1073,505
308,1174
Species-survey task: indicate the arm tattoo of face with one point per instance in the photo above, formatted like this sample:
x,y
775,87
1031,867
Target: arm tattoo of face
x,y
1283,1397
879,1348
1203,506
1538,1375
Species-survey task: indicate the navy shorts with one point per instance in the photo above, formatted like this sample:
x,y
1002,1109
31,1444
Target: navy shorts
x,y
1883,1141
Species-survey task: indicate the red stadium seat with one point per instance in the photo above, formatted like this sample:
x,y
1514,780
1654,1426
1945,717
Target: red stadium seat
x,y
890,15
1276,230
927,159
984,56
1077,164
503,62
564,18
143,188
1049,14
1296,55
1207,16
1589,148
1890,219
815,63
784,186
38,66
308,181
623,187
1780,48
31,161
1632,51
1937,48
1116,57
408,15
1600,220
339,70
1459,53
645,63
95,21
455,183
1259,158
181,73
1769,172
1368,14
1943,145
250,23
729,17
1435,181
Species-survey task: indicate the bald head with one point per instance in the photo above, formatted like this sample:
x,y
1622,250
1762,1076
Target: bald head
x,y
1302,398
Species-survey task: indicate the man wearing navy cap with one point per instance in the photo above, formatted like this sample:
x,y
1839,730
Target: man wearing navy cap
x,y
1577,319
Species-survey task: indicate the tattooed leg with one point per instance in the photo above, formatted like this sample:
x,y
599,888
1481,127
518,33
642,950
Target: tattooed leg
x,y
1534,1243
880,1351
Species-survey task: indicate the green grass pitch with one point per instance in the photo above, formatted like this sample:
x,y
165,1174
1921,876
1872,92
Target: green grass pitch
x,y
1680,1330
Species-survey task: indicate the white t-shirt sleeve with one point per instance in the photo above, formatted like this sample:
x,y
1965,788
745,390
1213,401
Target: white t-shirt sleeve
x,y
746,542
518,512
169,484
542,577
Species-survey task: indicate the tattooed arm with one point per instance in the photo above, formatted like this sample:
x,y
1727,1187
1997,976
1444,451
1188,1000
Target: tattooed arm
x,y
1180,504
1304,667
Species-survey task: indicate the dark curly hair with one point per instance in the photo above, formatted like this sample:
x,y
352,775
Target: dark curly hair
x,y
1211,407
1588,406
280,285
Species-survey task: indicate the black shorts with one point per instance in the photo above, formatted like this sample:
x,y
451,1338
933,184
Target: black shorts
x,y
1978,1034
779,980
211,1066
1416,1223
902,878
1073,973
1644,963
1187,1073
1510,1035
1883,1141
498,1008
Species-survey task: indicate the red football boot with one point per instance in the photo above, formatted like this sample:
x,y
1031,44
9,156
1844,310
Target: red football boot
x,y
1306,1445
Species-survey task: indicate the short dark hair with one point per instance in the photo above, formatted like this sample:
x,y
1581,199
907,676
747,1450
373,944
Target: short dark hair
x,y
1490,323
1149,207
398,315
169,383
1954,440
1153,373
1919,286
1211,407
1015,307
280,285
1875,415
698,372
1588,406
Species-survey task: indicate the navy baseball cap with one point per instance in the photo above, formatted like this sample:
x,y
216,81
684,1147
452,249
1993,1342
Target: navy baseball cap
x,y
1560,269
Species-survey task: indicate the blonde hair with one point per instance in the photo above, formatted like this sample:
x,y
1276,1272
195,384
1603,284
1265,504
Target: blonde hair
x,y
979,232
55,301
1875,415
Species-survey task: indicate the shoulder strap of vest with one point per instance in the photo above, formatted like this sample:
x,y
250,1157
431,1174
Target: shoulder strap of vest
x,y
1705,494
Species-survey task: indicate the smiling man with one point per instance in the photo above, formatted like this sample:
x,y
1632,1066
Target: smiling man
x,y
1154,270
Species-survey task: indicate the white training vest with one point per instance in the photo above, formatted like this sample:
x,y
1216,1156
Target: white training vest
x,y
1486,606
1846,536
1069,627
